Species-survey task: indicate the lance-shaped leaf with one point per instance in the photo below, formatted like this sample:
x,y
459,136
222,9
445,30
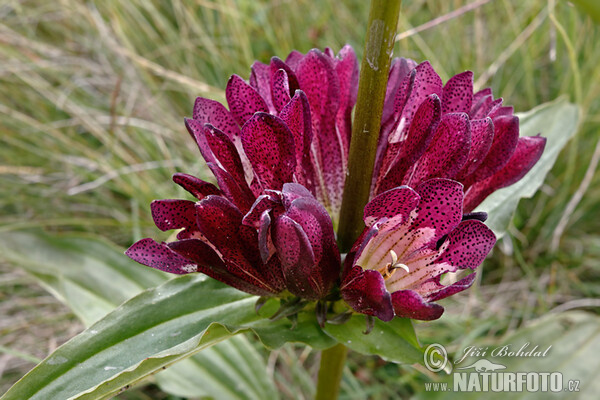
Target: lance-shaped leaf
x,y
92,277
153,330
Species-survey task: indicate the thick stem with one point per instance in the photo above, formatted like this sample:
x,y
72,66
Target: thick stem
x,y
330,372
381,29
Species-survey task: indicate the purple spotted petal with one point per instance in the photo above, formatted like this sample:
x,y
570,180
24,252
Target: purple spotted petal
x,y
264,202
197,131
278,64
159,256
243,100
265,242
240,195
293,191
225,153
528,152
318,80
456,287
409,304
365,292
212,112
482,135
221,223
173,214
260,80
395,202
280,89
426,82
196,187
399,69
468,245
346,68
440,207
313,219
296,115
208,262
506,135
457,95
297,257
401,154
293,59
447,152
269,145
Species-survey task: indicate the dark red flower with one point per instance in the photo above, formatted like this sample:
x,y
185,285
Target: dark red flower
x,y
412,238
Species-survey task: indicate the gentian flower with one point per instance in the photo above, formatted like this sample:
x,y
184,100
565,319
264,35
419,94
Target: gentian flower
x,y
279,155
412,238
261,151
430,130
313,96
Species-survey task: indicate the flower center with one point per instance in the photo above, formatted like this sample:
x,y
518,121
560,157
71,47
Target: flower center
x,y
390,268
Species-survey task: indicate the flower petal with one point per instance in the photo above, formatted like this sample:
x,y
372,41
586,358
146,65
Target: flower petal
x,y
212,112
269,145
296,256
293,59
528,152
260,80
159,256
365,292
197,131
482,136
264,202
314,220
208,262
506,136
243,100
318,80
440,207
265,242
468,245
346,68
400,201
409,304
447,153
457,95
296,115
240,195
225,153
173,214
426,82
221,223
399,69
280,89
456,287
402,154
278,64
196,187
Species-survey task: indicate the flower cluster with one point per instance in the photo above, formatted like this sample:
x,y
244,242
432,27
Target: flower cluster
x,y
279,155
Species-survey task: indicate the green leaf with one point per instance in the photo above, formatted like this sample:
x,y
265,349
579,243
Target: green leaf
x,y
393,341
153,330
574,338
92,277
232,369
89,274
558,122
590,7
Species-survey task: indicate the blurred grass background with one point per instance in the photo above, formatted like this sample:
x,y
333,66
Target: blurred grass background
x,y
92,100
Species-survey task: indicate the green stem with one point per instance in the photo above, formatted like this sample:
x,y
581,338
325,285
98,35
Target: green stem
x,y
381,29
330,372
